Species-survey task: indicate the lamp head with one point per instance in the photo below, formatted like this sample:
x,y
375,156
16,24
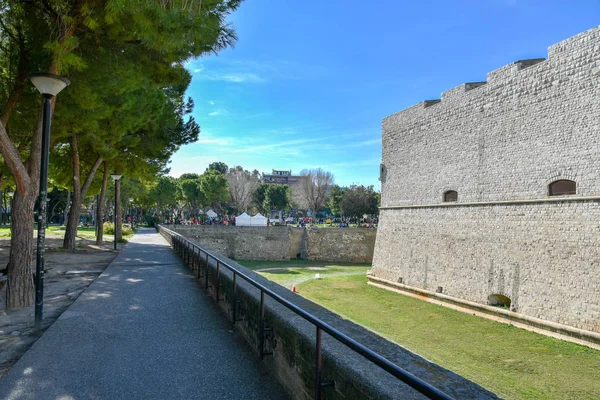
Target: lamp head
x,y
116,177
49,84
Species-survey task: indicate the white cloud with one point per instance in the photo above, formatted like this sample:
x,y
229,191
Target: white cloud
x,y
248,71
220,111
223,141
234,77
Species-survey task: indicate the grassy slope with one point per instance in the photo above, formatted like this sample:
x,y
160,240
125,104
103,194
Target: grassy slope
x,y
511,362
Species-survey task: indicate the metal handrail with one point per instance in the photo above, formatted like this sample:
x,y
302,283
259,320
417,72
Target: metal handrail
x,y
400,373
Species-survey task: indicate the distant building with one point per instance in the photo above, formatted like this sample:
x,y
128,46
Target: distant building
x,y
280,177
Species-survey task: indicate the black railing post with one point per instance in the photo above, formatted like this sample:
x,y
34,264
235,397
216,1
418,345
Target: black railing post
x,y
218,287
234,298
195,261
187,254
199,264
318,365
262,325
206,273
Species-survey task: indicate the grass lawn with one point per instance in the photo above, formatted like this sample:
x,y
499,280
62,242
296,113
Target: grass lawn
x,y
297,271
83,232
511,362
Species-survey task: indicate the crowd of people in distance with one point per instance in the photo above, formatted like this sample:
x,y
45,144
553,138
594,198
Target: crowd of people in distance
x,y
337,222
298,222
225,220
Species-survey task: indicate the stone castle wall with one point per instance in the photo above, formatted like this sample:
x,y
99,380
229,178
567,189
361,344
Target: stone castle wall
x,y
343,244
499,144
284,243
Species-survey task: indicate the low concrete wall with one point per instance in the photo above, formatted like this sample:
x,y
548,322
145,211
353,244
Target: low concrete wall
x,y
283,243
291,340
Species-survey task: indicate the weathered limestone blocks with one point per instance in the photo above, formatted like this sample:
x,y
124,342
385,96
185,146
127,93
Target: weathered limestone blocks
x,y
284,243
500,145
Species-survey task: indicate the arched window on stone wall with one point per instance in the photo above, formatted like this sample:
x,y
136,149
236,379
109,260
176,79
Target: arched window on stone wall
x,y
450,195
499,300
562,187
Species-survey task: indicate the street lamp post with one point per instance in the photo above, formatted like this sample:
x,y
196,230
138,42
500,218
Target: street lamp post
x,y
116,178
48,85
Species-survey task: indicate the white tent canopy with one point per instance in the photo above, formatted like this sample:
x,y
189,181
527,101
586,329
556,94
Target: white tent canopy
x,y
258,220
211,214
243,220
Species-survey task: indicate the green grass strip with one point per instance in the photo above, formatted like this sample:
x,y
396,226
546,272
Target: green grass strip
x,y
513,363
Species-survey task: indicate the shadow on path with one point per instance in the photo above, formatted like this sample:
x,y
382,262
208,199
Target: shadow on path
x,y
142,330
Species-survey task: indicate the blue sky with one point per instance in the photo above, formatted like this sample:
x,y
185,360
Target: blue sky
x,y
309,82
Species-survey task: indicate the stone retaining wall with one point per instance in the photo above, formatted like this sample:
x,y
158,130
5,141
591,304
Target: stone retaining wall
x,y
291,340
284,243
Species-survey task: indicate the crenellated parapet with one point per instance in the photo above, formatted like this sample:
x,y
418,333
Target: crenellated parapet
x,y
585,41
512,69
461,89
519,72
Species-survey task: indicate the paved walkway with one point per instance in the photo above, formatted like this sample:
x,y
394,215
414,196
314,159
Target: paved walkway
x,y
142,330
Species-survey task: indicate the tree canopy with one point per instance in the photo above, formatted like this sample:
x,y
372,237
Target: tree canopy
x,y
125,110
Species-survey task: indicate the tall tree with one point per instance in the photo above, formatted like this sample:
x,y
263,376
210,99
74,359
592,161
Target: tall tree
x,y
218,166
258,198
334,199
310,192
192,195
164,195
213,185
41,39
43,36
276,197
242,185
359,200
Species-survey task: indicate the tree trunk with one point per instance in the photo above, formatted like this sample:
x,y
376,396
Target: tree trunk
x,y
3,205
100,208
72,222
118,216
78,195
19,288
66,211
53,210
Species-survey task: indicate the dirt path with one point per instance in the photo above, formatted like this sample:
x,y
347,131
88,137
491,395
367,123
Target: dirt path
x,y
60,290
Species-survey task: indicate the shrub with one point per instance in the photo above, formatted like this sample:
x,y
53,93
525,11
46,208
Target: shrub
x,y
109,229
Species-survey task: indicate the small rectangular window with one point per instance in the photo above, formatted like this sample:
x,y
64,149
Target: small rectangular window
x,y
562,187
450,195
